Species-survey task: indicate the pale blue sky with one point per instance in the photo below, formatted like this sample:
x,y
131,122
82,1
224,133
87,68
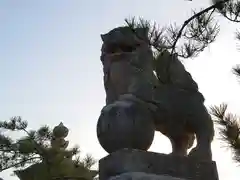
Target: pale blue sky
x,y
51,71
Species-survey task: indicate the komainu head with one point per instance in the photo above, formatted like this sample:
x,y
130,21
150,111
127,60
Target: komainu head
x,y
127,62
123,39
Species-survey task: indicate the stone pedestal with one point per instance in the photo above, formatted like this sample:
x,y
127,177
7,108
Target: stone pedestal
x,y
143,176
124,163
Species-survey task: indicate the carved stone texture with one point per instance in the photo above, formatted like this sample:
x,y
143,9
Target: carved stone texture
x,y
128,161
186,114
177,107
143,176
125,124
127,64
125,37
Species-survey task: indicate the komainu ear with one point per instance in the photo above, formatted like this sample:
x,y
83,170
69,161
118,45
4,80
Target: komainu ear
x,y
143,33
103,37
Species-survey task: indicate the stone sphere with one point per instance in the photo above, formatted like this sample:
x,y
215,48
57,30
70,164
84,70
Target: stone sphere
x,y
125,124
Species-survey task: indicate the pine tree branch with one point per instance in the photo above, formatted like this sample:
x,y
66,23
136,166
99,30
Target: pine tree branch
x,y
236,71
232,20
19,163
177,35
229,129
212,7
197,31
231,11
41,152
145,24
22,126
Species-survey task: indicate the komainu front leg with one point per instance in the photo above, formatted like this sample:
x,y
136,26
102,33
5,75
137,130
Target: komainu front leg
x,y
204,139
179,146
203,150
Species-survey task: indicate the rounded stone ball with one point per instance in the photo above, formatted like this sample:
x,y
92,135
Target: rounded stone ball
x,y
125,125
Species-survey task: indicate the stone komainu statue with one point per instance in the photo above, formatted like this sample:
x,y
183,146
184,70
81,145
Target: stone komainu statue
x,y
172,96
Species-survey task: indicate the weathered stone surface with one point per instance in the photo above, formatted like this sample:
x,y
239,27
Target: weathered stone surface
x,y
126,161
123,36
179,111
127,65
143,176
125,124
186,114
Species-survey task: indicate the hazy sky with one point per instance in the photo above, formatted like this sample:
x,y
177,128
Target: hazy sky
x,y
51,71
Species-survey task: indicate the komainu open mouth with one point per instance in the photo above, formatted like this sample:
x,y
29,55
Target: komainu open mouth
x,y
123,40
114,49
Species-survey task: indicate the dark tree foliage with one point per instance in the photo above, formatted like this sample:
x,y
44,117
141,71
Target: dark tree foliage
x,y
229,128
21,152
32,148
229,124
194,35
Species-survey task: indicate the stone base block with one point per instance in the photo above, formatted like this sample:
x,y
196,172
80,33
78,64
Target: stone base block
x,y
128,161
142,176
